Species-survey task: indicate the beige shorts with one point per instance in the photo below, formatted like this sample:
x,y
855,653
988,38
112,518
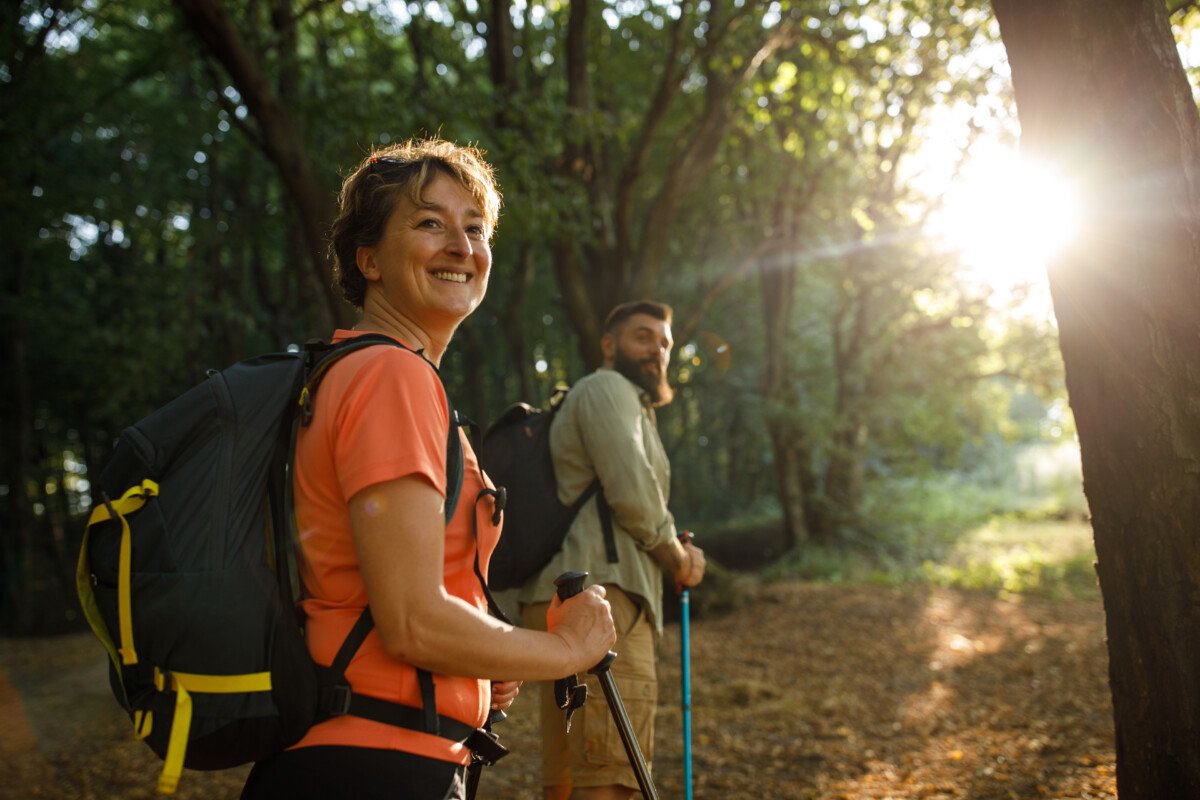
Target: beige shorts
x,y
593,754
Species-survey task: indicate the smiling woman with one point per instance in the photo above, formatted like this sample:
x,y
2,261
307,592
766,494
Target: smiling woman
x,y
1006,216
390,561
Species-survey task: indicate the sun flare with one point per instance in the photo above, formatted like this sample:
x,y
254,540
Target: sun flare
x,y
1007,216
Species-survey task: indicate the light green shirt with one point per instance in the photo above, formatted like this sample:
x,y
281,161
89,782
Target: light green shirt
x,y
606,429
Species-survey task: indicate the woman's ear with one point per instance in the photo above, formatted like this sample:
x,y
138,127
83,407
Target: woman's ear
x,y
364,257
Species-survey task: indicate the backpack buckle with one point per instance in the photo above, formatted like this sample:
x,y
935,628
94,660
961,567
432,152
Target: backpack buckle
x,y
485,747
306,407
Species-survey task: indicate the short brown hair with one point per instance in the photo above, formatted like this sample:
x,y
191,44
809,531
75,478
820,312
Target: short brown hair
x,y
617,317
370,194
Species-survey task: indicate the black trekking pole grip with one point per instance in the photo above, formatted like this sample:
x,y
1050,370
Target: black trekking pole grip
x,y
570,584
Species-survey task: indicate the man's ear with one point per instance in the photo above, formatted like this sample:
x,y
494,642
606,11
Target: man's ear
x,y
608,348
364,258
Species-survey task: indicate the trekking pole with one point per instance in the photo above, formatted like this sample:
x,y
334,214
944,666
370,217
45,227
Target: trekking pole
x,y
685,674
570,584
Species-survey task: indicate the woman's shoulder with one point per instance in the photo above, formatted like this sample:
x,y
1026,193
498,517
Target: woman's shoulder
x,y
387,369
388,356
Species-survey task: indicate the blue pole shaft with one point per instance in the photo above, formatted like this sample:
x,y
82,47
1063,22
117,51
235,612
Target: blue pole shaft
x,y
685,672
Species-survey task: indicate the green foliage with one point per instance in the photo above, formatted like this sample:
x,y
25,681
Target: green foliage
x,y
719,147
1016,557
1023,571
1008,559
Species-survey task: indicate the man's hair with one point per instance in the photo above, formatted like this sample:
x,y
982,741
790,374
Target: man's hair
x,y
370,195
619,315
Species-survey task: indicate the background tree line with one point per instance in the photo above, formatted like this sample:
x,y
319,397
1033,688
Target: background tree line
x,y
170,170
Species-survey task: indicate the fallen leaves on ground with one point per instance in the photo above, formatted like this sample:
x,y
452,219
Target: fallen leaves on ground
x,y
815,692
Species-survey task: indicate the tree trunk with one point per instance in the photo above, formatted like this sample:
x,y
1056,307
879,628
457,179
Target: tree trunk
x,y
577,302
844,472
512,321
844,475
473,402
779,396
281,142
1103,98
623,262
18,537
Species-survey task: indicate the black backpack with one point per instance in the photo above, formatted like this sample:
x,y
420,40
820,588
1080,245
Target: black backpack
x,y
516,456
187,574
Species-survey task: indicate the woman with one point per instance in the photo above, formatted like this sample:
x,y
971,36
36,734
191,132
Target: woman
x,y
412,250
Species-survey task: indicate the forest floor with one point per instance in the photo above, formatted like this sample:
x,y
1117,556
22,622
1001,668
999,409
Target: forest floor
x,y
821,691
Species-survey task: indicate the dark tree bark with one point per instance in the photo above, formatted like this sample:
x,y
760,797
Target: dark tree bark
x,y
793,462
281,140
624,260
1102,96
511,319
17,554
795,474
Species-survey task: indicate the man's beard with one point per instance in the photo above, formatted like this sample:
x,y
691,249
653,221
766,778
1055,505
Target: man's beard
x,y
656,386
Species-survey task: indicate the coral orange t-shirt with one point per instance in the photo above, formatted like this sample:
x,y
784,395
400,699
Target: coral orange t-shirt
x,y
380,413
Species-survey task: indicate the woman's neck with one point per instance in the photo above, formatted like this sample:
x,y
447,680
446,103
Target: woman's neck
x,y
388,321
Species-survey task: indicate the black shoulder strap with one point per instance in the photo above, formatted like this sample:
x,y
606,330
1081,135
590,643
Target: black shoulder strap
x,y
454,461
605,512
499,499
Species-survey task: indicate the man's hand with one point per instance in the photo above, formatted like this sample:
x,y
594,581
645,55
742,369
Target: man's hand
x,y
691,572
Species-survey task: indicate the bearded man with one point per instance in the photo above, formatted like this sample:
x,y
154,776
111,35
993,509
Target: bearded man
x,y
623,537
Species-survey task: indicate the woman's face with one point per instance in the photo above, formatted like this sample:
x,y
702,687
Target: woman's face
x,y
433,260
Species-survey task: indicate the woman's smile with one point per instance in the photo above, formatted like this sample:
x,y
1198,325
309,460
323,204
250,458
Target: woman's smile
x,y
432,261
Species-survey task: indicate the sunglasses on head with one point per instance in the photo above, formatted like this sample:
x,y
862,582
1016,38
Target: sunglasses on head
x,y
390,161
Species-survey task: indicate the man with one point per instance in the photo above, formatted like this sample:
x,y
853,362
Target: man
x,y
606,429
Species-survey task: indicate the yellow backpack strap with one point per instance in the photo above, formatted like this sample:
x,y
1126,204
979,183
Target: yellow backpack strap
x,y
131,501
183,684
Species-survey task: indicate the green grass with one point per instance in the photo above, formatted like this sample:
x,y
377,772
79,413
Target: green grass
x,y
1013,524
1019,557
1007,556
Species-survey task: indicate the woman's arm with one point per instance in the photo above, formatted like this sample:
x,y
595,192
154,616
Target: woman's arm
x,y
399,534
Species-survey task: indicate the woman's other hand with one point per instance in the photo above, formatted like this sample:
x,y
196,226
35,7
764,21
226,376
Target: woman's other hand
x,y
503,694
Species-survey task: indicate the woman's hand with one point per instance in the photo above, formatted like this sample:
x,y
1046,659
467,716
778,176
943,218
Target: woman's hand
x,y
503,694
585,626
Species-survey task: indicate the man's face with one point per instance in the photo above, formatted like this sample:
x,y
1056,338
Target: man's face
x,y
641,349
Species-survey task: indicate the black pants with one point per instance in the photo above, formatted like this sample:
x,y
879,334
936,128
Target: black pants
x,y
333,773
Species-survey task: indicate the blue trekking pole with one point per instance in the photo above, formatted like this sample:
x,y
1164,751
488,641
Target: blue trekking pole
x,y
685,670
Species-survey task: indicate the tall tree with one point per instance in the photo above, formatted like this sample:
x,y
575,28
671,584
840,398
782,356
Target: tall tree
x,y
699,57
1102,96
822,135
278,131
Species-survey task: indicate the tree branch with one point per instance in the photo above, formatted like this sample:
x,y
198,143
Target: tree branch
x,y
281,139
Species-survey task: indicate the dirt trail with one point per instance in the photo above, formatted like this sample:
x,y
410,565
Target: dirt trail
x,y
818,692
